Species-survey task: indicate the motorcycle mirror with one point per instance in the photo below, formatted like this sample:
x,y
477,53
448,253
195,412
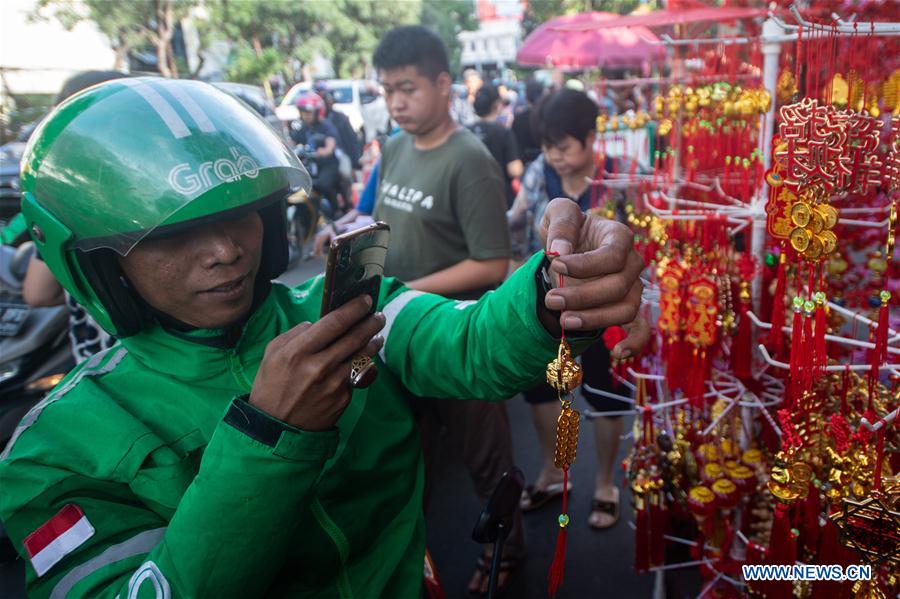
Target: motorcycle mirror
x,y
500,507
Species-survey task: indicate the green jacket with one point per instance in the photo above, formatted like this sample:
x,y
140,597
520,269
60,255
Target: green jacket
x,y
191,492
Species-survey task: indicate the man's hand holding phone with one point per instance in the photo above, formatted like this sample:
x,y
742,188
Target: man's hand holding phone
x,y
304,378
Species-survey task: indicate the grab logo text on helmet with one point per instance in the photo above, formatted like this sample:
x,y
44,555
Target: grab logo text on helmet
x,y
187,180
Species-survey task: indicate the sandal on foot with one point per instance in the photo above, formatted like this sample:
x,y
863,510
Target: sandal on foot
x,y
610,508
534,498
506,566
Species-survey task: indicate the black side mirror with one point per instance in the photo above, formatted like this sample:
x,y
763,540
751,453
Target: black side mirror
x,y
498,512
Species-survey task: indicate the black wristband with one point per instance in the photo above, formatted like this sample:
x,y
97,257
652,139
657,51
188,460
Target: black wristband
x,y
542,280
254,423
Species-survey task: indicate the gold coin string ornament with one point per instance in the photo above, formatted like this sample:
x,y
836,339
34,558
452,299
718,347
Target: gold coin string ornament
x,y
563,375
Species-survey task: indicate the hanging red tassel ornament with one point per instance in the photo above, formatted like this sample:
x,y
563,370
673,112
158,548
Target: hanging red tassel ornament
x,y
807,345
564,375
741,350
782,550
558,566
611,337
811,510
641,533
831,551
820,351
878,354
658,522
796,352
776,336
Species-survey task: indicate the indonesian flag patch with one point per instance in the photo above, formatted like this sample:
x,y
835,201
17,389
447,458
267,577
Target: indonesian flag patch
x,y
58,537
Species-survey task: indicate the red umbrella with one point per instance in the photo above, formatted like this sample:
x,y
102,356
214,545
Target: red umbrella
x,y
547,46
661,18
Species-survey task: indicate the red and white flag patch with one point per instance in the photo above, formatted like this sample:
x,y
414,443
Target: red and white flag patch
x,y
58,537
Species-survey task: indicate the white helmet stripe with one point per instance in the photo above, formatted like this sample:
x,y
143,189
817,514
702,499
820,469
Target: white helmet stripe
x,y
192,108
160,105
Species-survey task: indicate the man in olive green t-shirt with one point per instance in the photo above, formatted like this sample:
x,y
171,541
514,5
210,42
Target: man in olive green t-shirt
x,y
445,206
443,195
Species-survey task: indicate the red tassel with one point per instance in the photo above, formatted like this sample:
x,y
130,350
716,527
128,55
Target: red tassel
x,y
741,346
812,509
658,519
673,364
641,534
695,387
782,551
820,351
796,349
806,354
879,352
832,552
776,337
558,566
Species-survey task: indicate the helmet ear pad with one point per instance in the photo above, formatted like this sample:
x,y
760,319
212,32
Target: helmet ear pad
x,y
130,313
275,253
104,274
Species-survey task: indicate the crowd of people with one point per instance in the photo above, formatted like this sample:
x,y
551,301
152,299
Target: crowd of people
x,y
223,399
467,245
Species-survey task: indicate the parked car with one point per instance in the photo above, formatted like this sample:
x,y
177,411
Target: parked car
x,y
10,156
361,100
255,97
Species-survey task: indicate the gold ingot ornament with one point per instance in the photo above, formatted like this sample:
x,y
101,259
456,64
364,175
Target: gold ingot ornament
x,y
564,373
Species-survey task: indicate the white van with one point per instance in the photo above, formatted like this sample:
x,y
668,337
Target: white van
x,y
361,100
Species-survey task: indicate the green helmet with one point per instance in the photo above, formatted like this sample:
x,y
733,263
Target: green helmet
x,y
148,156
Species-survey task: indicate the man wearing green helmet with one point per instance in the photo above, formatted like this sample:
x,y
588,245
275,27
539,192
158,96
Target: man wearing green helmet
x,y
218,449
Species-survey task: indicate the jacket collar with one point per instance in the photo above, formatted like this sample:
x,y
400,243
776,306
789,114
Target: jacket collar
x,y
199,354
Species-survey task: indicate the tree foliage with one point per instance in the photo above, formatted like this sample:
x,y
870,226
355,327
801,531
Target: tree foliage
x,y
128,25
344,31
267,36
447,18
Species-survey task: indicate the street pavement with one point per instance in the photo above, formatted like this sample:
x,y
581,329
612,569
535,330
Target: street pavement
x,y
598,563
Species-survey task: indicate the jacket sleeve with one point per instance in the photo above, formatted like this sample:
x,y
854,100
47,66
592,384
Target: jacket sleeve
x,y
225,538
489,349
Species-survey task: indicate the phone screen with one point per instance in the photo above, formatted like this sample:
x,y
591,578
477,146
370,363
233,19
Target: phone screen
x,y
355,265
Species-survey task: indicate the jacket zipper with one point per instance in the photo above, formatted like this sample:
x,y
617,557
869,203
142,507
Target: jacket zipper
x,y
237,370
340,542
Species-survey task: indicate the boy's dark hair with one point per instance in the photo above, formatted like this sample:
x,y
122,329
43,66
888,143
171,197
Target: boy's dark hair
x,y
84,80
534,91
484,100
412,45
565,112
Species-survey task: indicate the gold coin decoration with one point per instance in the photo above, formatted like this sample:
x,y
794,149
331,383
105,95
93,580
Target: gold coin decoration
x,y
800,214
800,239
566,437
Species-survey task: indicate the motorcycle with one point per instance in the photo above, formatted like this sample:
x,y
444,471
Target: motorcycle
x,y
305,209
35,352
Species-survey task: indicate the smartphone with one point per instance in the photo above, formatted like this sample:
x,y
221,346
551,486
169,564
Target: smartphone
x,y
355,265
